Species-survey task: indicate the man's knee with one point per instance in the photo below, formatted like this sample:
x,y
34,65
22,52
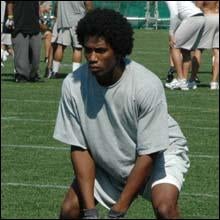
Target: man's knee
x,y
69,211
70,208
167,210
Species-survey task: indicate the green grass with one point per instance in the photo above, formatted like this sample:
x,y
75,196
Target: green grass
x,y
35,176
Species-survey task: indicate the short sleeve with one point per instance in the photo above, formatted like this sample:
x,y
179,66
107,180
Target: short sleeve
x,y
152,133
67,127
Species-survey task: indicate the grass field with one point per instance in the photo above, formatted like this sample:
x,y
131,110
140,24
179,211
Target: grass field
x,y
36,169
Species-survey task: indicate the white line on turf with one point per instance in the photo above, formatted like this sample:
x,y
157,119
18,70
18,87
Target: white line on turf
x,y
68,148
65,187
51,101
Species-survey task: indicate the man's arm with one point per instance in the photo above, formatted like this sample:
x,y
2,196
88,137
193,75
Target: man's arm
x,y
10,20
84,169
135,181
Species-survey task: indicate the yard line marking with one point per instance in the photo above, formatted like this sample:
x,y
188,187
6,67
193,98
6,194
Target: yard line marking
x,y
50,101
14,118
200,194
202,128
65,187
195,108
68,148
35,185
30,100
36,147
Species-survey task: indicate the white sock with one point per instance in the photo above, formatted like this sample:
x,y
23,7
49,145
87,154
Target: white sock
x,y
56,66
75,66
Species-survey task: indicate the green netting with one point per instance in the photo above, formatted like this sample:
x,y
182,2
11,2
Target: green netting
x,y
127,8
163,10
135,9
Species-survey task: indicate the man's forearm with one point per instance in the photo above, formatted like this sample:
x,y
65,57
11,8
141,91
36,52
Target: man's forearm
x,y
10,8
135,181
84,169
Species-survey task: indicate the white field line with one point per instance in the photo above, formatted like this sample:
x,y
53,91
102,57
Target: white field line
x,y
13,118
68,148
65,187
50,101
18,116
30,100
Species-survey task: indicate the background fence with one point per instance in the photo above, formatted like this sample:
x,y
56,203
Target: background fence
x,y
141,14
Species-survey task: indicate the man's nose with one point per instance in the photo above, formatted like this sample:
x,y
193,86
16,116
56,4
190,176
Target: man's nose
x,y
93,56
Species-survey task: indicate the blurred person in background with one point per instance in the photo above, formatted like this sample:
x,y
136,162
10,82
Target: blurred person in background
x,y
209,40
68,15
23,20
47,21
184,37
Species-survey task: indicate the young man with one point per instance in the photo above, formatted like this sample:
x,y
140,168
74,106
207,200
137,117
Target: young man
x,y
113,113
184,37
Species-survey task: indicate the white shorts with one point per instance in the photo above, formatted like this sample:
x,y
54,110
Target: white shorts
x,y
6,39
54,33
68,37
169,168
210,36
189,32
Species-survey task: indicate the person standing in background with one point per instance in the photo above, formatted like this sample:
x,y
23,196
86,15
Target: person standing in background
x,y
68,15
23,20
184,37
209,40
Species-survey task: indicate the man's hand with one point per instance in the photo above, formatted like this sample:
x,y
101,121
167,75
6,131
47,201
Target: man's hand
x,y
90,214
115,215
172,41
10,22
136,180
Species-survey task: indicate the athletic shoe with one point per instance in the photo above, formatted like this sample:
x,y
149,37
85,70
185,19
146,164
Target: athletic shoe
x,y
177,84
47,72
197,80
20,78
52,75
192,85
172,84
36,78
170,74
4,55
214,86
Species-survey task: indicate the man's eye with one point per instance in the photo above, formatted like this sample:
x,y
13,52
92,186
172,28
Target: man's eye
x,y
100,50
96,50
88,50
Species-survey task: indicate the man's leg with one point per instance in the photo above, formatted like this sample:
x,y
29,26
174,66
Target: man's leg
x,y
215,73
35,46
77,58
196,61
172,70
164,201
21,55
215,70
71,205
58,57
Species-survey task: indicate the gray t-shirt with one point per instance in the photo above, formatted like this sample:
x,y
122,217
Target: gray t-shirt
x,y
118,122
69,13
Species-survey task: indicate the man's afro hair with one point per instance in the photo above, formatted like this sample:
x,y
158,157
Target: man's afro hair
x,y
110,25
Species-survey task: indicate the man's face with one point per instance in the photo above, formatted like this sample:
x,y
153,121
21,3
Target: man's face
x,y
100,56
